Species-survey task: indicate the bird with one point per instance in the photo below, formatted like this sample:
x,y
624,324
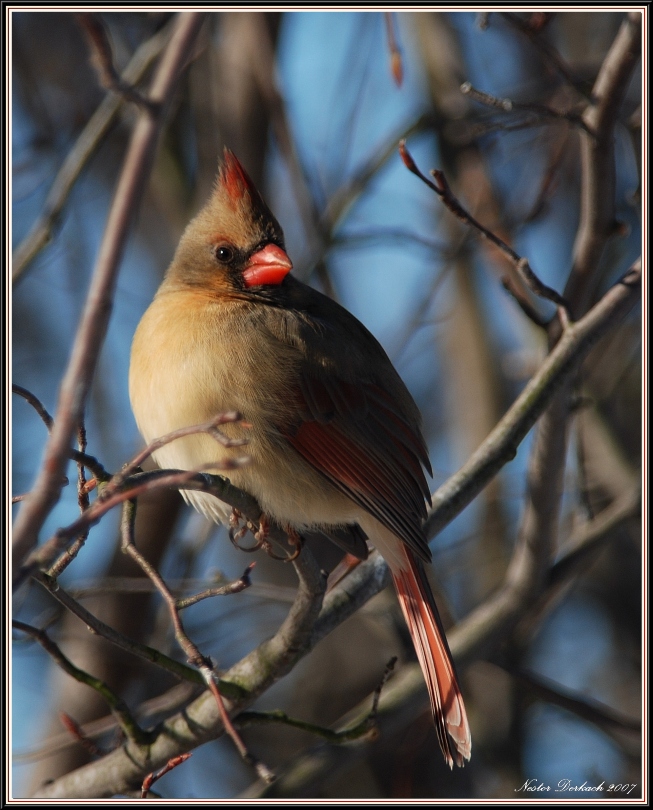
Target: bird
x,y
333,435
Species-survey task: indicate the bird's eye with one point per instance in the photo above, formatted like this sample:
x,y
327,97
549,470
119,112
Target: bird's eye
x,y
224,254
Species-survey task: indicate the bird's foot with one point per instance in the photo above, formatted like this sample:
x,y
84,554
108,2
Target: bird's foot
x,y
262,539
237,532
260,533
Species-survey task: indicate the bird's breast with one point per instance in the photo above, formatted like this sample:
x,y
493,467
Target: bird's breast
x,y
187,366
193,359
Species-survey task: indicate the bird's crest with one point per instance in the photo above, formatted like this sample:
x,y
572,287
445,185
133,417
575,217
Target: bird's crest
x,y
234,180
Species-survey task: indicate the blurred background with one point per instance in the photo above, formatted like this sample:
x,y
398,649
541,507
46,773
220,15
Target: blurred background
x,y
309,104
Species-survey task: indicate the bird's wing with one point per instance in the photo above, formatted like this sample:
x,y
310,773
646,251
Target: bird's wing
x,y
352,419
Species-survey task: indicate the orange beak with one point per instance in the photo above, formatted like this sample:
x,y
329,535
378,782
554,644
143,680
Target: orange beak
x,y
267,266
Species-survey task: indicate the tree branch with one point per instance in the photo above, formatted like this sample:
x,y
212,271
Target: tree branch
x,y
95,318
118,707
87,143
405,696
597,162
501,445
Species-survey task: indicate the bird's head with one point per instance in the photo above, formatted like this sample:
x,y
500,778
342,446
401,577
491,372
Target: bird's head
x,y
234,245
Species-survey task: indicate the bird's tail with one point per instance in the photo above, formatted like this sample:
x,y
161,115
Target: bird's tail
x,y
421,614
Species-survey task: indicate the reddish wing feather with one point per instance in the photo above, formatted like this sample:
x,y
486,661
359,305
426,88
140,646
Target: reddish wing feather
x,y
348,440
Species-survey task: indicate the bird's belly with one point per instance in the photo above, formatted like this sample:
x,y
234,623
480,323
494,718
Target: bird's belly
x,y
176,384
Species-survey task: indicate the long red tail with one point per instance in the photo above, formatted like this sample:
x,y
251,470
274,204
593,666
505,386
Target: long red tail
x,y
421,614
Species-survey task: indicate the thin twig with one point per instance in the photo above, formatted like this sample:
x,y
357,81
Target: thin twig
x,y
193,655
90,462
396,62
107,632
246,755
223,590
602,716
151,778
442,189
507,105
75,731
83,501
77,379
118,707
191,650
548,52
87,143
35,402
210,427
102,61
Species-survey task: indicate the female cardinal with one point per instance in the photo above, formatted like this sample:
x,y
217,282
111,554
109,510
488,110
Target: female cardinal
x,y
334,436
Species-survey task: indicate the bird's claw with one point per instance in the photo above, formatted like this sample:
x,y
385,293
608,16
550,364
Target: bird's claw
x,y
297,541
238,531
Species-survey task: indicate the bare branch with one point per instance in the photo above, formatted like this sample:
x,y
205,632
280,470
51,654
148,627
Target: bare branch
x,y
602,716
90,462
507,105
97,626
209,427
396,63
171,700
501,445
102,61
223,590
151,778
200,721
77,379
597,162
548,52
193,654
134,486
118,707
89,140
443,190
